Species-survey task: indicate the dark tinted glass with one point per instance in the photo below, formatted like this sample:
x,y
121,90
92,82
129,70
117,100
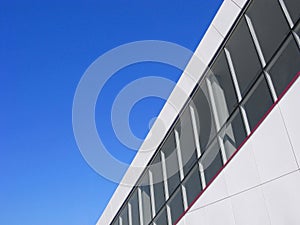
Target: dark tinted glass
x,y
158,185
170,152
116,221
293,7
244,57
161,218
212,161
192,184
176,205
258,102
285,65
222,88
204,117
124,216
233,133
187,141
134,208
269,24
146,201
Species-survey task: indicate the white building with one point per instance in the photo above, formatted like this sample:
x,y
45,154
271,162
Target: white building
x,y
232,153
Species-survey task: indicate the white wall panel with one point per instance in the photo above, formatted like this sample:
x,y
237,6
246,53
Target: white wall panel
x,y
249,208
290,109
209,45
220,213
196,217
215,192
242,173
272,149
282,198
226,17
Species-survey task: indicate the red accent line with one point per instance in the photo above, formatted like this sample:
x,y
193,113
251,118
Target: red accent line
x,y
241,145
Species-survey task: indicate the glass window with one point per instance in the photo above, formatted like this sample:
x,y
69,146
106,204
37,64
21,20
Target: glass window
x,y
192,184
285,65
124,216
233,133
222,87
258,102
269,24
116,221
134,204
161,218
187,141
158,185
145,198
243,55
170,153
176,205
211,161
203,116
293,7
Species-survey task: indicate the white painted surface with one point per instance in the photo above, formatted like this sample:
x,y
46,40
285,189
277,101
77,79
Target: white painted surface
x,y
209,45
290,109
196,217
241,173
226,17
215,192
249,208
271,147
220,213
282,198
240,3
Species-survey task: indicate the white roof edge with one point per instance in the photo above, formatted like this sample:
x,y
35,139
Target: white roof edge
x,y
210,43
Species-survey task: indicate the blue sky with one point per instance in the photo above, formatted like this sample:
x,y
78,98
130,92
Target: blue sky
x,y
45,47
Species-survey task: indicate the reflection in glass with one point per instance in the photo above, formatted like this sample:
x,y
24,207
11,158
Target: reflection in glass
x,y
186,140
176,205
158,185
222,87
243,55
258,102
192,184
211,161
170,154
285,65
270,28
233,134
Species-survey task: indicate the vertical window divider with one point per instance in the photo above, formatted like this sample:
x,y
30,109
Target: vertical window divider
x,y
164,170
179,154
120,221
152,193
271,86
184,196
213,103
286,13
195,131
297,39
169,215
245,120
216,117
202,175
233,75
198,148
140,205
237,89
129,214
255,40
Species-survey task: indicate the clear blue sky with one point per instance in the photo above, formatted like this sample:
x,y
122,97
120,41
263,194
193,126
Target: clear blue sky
x,y
45,47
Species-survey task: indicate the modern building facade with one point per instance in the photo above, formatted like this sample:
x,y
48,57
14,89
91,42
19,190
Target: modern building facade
x,y
230,152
